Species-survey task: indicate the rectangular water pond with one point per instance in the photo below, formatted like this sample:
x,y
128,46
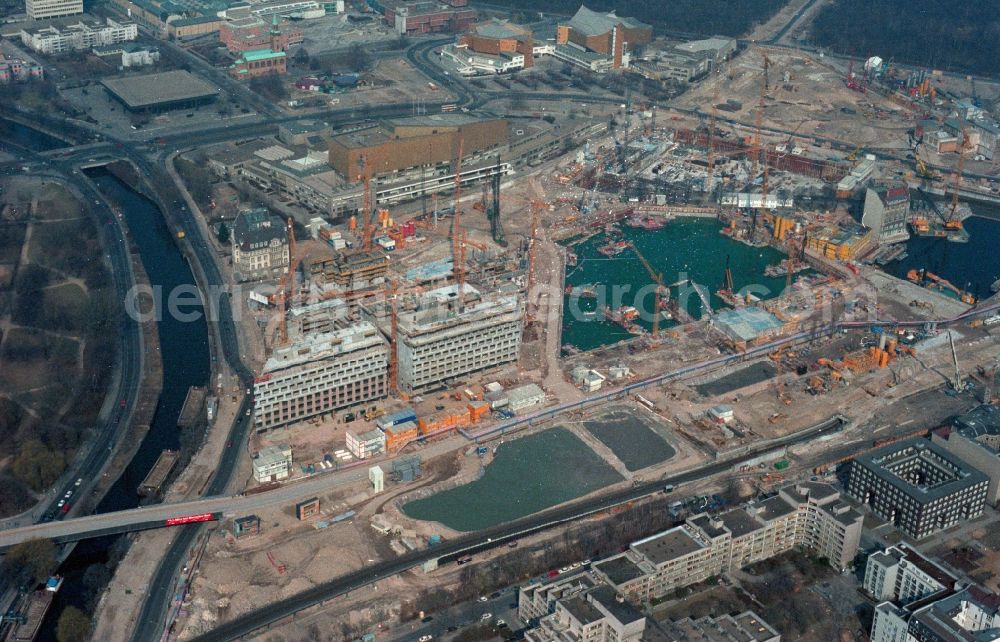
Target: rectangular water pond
x,y
527,475
631,439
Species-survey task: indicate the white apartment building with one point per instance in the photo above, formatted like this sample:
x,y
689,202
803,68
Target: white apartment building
x,y
449,336
597,615
321,373
808,514
968,614
902,575
272,463
78,36
41,9
366,444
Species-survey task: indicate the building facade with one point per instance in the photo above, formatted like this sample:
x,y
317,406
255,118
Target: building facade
x,y
78,36
426,16
366,444
969,614
272,463
266,61
321,373
260,245
19,68
497,38
918,487
253,32
902,575
975,438
809,515
399,144
887,211
603,34
43,9
450,336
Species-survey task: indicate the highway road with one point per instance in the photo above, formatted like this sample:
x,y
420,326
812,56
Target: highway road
x,y
248,623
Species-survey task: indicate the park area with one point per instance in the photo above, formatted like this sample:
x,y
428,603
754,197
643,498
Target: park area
x,y
56,335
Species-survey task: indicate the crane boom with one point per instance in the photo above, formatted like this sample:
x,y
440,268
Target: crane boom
x,y
457,248
660,289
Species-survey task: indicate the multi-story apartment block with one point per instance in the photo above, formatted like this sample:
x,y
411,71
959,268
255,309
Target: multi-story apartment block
x,y
597,615
42,9
321,373
449,335
975,438
918,486
808,514
968,615
84,34
887,211
902,575
260,245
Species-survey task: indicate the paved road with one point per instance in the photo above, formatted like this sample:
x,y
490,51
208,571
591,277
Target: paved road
x,y
491,537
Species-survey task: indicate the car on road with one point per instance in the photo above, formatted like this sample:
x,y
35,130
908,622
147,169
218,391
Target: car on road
x,y
121,403
495,595
501,623
68,494
425,638
229,444
65,508
61,503
78,481
429,618
483,598
486,616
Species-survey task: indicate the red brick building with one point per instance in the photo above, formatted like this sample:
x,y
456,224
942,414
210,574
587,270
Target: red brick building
x,y
268,61
251,32
411,18
496,37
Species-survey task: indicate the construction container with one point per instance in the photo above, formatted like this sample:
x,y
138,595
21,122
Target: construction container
x,y
399,435
396,418
781,465
478,410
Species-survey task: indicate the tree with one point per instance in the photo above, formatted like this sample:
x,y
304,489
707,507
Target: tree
x,y
358,58
301,57
73,625
270,87
196,179
38,466
223,234
30,562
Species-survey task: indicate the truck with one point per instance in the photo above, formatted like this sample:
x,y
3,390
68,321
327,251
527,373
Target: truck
x,y
668,488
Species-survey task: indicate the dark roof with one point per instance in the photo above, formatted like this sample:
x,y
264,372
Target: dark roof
x,y
620,610
668,545
160,88
257,227
619,569
881,460
739,522
581,609
979,422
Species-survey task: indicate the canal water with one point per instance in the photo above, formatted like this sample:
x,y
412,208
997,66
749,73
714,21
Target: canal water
x,y
527,475
972,266
687,248
185,357
25,137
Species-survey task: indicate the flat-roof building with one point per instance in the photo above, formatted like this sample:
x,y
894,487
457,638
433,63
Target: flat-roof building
x,y
409,17
272,463
971,614
918,487
975,438
78,35
807,514
887,211
902,575
160,91
449,336
44,9
321,373
419,141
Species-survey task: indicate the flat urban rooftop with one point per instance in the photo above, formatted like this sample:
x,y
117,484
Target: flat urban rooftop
x,y
157,89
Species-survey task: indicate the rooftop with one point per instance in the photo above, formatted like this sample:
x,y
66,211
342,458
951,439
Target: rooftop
x,y
920,469
582,610
620,610
593,23
746,324
619,569
153,89
668,545
501,29
979,425
322,345
714,43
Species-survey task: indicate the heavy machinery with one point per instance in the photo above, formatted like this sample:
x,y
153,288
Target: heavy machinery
x,y
660,292
953,222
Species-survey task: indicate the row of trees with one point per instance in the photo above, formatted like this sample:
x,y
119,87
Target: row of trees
x,y
963,36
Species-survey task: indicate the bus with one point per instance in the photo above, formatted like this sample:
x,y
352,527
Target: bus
x,y
449,107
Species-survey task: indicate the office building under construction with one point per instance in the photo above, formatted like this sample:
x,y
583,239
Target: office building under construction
x,y
448,336
321,373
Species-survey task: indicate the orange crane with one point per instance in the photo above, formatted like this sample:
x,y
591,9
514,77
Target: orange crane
x,y
759,120
287,283
537,203
661,289
953,222
457,248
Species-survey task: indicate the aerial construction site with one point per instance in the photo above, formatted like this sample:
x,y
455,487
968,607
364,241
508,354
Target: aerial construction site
x,y
513,324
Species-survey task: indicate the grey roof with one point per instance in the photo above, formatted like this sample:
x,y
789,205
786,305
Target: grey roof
x,y
962,474
979,422
668,545
620,610
255,227
619,569
582,610
592,23
153,89
739,522
499,29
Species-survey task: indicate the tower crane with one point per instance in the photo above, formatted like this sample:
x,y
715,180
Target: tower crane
x,y
286,285
660,291
759,119
537,203
711,142
393,333
457,247
953,222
